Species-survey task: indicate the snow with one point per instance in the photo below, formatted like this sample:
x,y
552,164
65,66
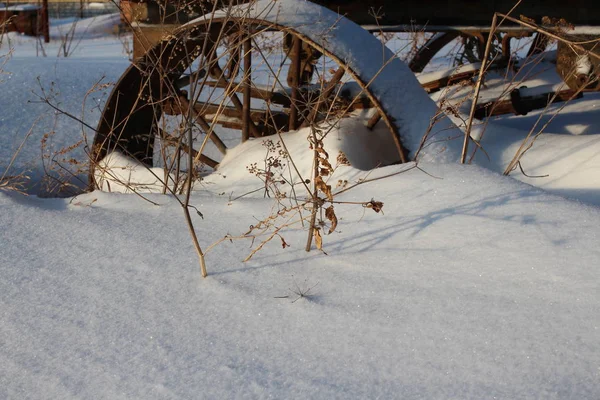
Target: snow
x,y
470,284
564,160
86,28
118,173
424,78
583,65
474,286
23,7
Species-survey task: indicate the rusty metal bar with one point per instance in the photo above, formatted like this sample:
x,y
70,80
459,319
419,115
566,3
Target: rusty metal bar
x,y
539,44
430,49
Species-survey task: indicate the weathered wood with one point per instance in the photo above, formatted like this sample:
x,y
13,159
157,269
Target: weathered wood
x,y
435,85
228,116
213,136
276,97
234,98
521,104
246,120
181,106
295,81
373,120
176,142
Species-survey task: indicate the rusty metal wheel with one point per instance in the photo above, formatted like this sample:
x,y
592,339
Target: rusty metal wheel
x,y
251,71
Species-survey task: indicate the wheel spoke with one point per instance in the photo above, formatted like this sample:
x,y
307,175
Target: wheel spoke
x,y
212,134
276,97
246,120
183,146
234,97
190,79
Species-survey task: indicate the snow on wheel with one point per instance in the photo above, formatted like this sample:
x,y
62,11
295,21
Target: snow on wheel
x,y
257,70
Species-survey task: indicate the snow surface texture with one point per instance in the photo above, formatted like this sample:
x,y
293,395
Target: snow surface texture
x,y
26,79
474,286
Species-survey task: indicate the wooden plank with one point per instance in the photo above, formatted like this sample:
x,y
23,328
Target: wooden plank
x,y
521,103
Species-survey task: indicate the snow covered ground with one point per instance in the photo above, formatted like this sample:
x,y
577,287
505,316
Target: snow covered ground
x,y
471,285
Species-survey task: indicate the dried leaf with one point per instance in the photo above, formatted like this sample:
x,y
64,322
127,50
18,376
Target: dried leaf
x,y
323,187
318,238
325,163
375,205
341,183
324,172
283,243
322,151
526,19
342,159
330,215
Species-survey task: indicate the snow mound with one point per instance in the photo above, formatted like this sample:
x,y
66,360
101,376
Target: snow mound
x,y
348,141
349,138
119,173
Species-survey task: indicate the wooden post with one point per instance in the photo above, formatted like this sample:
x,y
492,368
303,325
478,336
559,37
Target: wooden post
x,y
296,50
247,86
45,22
